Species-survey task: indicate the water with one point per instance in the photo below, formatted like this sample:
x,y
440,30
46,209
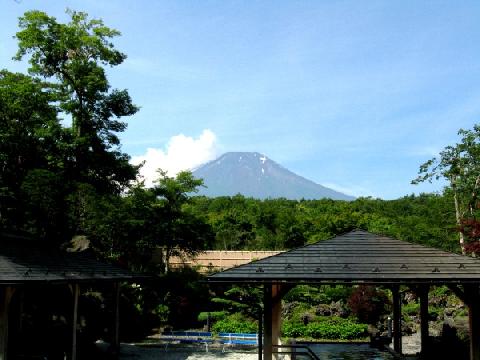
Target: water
x,y
349,352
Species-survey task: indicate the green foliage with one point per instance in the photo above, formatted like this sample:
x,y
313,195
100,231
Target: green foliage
x,y
213,315
329,294
460,166
300,312
411,309
336,328
247,224
236,323
331,328
245,300
173,225
293,329
73,56
305,294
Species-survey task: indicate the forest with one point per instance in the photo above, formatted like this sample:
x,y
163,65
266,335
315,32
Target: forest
x,y
64,175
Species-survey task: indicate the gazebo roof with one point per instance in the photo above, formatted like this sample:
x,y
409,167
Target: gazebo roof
x,y
358,257
25,261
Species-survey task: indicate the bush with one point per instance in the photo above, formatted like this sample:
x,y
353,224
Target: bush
x,y
293,329
411,309
304,294
336,329
335,293
368,303
235,323
333,328
213,315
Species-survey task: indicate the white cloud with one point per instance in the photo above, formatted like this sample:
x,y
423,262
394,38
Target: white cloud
x,y
181,153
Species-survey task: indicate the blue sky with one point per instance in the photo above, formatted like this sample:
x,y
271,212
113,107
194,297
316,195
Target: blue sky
x,y
354,95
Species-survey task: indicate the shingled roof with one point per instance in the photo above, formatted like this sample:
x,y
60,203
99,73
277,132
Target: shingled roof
x,y
358,257
26,261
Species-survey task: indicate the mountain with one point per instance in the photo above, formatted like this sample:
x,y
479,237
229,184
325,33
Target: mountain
x,y
254,175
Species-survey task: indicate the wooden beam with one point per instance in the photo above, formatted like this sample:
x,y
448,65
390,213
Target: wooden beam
x,y
76,293
6,294
397,320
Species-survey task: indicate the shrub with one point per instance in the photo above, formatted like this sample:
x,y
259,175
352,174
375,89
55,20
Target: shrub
x,y
213,315
235,323
293,329
411,309
303,294
335,293
368,303
336,329
332,328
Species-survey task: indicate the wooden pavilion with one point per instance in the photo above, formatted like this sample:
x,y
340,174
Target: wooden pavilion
x,y
27,264
360,257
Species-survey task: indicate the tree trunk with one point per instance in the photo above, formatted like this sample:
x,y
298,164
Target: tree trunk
x,y
458,218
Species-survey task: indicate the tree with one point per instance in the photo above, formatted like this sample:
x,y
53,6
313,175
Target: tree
x,y
30,153
73,55
460,166
177,229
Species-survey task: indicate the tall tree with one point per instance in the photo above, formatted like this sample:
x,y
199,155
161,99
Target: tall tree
x,y
460,166
74,55
30,134
178,230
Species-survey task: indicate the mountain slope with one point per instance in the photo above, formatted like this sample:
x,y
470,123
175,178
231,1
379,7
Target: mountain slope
x,y
254,175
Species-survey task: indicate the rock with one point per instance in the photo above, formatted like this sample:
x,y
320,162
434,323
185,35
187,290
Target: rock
x,y
409,297
449,312
323,310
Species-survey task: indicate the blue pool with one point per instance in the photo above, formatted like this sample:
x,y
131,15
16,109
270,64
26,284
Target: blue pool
x,y
349,352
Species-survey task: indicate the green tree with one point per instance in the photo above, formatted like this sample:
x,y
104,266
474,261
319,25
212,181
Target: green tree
x,y
460,166
175,227
30,153
73,55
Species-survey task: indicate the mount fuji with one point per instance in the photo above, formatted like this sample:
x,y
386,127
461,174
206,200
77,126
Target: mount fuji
x,y
254,175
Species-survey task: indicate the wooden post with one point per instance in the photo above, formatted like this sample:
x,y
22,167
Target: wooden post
x,y
6,294
260,334
397,320
471,297
473,302
267,315
116,321
276,314
424,335
76,292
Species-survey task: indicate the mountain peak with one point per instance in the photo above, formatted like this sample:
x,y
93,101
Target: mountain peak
x,y
253,174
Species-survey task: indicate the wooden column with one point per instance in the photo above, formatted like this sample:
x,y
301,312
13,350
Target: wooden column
x,y
267,316
115,348
397,320
272,309
424,335
260,334
473,302
76,293
6,293
276,314
471,297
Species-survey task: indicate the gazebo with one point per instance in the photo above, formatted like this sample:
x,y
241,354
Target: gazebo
x,y
29,264
360,257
